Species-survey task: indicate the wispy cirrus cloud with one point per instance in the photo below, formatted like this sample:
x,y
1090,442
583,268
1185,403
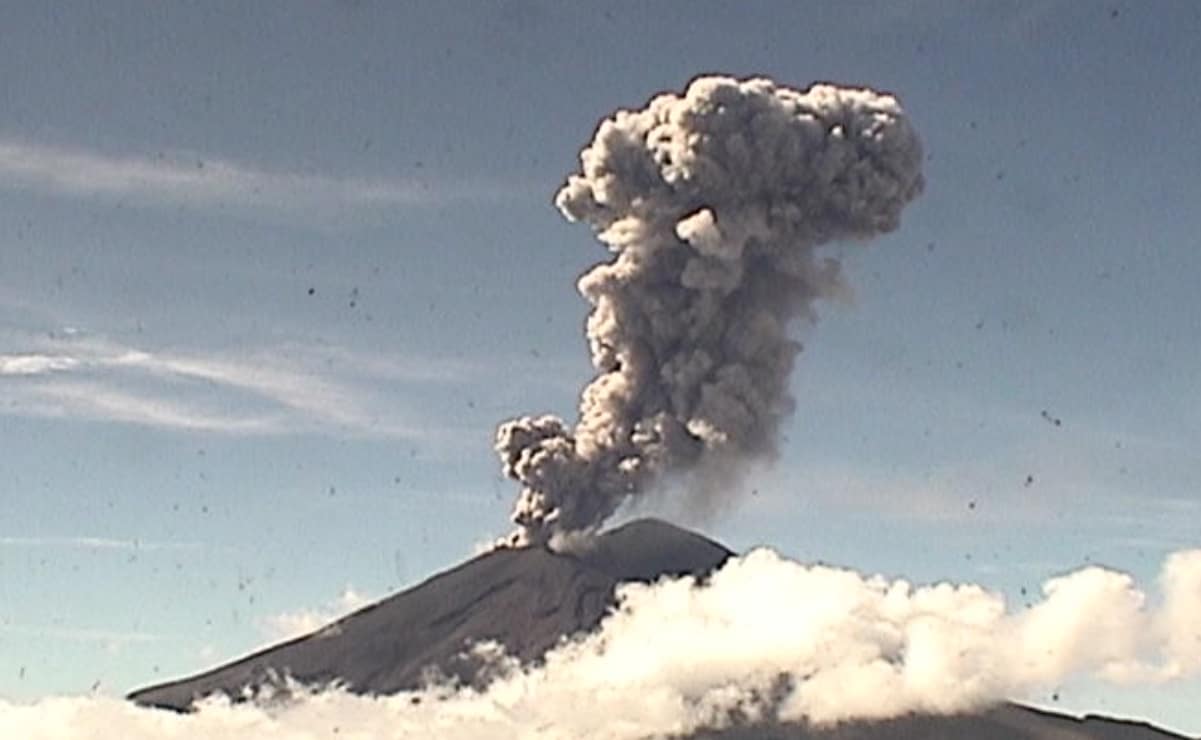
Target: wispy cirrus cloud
x,y
34,364
96,400
97,543
112,638
265,391
201,181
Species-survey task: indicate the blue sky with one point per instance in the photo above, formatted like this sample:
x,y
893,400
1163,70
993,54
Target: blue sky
x,y
270,275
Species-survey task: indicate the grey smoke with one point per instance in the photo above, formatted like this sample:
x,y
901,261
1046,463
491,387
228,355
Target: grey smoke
x,y
714,203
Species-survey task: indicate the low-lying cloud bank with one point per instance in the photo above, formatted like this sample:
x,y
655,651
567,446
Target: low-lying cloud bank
x,y
763,638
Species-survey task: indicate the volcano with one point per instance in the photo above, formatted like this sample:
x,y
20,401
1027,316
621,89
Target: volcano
x,y
528,600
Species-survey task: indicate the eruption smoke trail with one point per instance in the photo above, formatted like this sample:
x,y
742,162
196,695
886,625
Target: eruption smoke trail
x,y
714,203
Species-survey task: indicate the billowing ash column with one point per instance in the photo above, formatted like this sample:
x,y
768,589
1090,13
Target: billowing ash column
x,y
713,204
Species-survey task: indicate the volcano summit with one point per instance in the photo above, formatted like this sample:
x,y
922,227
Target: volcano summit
x,y
531,600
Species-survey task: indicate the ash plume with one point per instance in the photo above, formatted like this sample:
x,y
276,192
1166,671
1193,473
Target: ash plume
x,y
714,203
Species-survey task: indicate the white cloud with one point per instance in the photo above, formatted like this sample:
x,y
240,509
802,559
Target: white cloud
x,y
96,543
80,634
285,626
764,637
34,364
276,390
97,401
201,181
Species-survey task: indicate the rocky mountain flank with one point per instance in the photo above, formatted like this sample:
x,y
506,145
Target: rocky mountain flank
x,y
528,599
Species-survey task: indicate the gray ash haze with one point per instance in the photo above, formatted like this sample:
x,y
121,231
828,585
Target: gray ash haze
x,y
714,203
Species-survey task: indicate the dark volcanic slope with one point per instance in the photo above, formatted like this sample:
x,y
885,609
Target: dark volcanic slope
x,y
1007,722
528,599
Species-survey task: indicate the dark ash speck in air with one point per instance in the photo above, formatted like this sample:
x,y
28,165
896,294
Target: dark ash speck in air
x,y
714,203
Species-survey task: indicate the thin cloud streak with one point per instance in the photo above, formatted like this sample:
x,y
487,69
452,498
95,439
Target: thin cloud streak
x,y
96,401
289,392
97,543
81,634
201,181
34,364
304,393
